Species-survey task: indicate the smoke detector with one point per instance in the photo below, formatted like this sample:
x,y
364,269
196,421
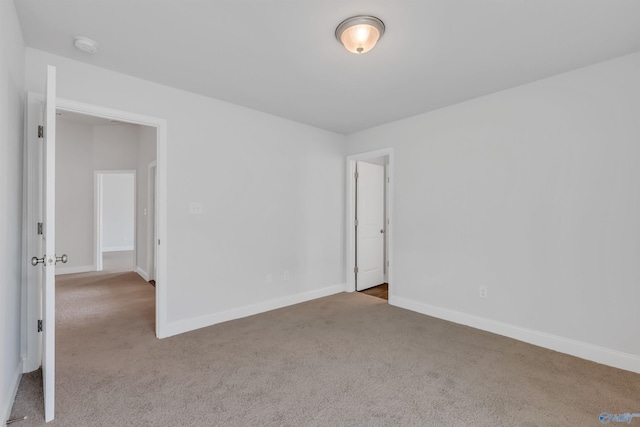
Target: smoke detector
x,y
86,45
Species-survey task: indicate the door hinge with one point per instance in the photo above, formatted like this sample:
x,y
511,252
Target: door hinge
x,y
39,325
40,228
40,131
355,222
355,269
356,175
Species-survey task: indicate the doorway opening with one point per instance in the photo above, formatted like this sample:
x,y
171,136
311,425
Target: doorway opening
x,y
150,204
369,223
115,222
104,222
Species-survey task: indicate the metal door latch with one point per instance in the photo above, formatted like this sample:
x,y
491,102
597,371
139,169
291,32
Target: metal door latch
x,y
35,261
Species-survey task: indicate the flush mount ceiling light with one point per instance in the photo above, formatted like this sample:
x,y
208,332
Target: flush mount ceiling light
x,y
359,34
86,45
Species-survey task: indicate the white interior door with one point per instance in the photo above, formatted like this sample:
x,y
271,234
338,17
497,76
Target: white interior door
x,y
370,225
34,185
48,291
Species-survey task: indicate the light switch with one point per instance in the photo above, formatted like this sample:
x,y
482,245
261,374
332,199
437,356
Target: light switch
x,y
195,208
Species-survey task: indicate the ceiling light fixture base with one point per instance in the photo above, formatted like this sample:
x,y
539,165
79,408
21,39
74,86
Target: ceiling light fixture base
x,y
359,34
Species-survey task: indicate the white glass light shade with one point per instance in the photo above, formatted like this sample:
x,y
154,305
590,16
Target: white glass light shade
x,y
360,33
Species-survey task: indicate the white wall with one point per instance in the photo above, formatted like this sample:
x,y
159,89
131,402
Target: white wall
x,y
11,135
82,149
115,147
74,196
272,192
118,211
533,193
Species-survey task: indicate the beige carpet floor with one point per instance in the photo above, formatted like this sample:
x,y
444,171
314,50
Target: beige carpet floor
x,y
345,360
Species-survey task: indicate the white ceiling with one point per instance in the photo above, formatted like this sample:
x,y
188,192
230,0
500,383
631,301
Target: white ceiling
x,y
281,56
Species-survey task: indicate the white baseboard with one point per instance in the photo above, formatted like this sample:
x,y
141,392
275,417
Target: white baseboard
x,y
187,325
72,270
142,273
5,407
118,248
594,353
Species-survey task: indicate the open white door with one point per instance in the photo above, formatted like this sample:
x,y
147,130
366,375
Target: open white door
x,y
370,225
33,187
48,291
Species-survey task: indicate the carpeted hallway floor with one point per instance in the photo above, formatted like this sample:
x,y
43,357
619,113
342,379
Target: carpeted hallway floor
x,y
348,360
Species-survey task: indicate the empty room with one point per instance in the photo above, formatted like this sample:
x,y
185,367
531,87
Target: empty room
x,y
337,212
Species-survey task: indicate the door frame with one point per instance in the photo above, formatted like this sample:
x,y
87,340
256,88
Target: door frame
x,y
351,214
98,212
161,183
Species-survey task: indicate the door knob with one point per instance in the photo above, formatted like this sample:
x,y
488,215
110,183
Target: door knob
x,y
35,261
63,259
381,231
